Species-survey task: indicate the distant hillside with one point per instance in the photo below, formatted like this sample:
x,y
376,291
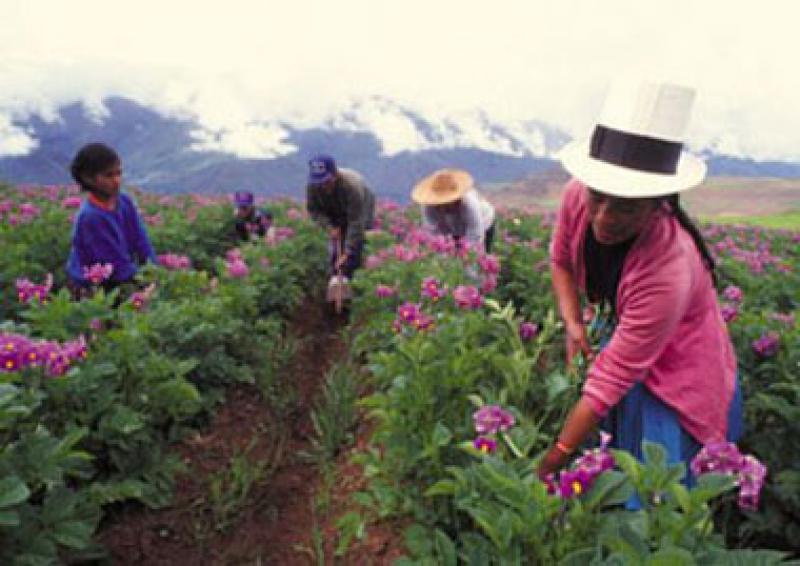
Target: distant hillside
x,y
392,145
717,196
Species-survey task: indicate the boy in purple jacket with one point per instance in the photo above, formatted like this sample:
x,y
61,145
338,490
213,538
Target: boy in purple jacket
x,y
107,228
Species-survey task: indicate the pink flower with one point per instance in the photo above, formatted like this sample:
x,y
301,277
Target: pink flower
x,y
71,202
767,345
489,284
467,297
528,331
733,293
174,262
384,291
27,290
431,288
490,419
725,458
489,264
294,214
408,312
98,272
729,312
233,254
237,269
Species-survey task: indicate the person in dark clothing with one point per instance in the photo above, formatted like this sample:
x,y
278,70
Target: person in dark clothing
x,y
251,222
339,200
107,230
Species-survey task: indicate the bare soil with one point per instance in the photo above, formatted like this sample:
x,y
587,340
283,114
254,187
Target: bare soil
x,y
274,524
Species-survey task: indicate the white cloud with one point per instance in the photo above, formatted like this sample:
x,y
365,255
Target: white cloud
x,y
13,140
240,63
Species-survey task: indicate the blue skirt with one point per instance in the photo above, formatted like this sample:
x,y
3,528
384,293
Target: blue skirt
x,y
641,416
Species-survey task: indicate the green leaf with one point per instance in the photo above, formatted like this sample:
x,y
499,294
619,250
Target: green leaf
x,y
611,488
442,487
74,534
445,549
628,464
670,557
441,434
654,454
9,519
418,541
13,491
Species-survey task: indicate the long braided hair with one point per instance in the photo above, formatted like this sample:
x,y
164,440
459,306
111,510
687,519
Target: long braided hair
x,y
674,201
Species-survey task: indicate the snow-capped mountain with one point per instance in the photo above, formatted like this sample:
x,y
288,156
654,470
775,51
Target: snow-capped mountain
x,y
393,144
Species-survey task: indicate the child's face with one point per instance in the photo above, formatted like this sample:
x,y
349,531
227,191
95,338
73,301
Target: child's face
x,y
106,184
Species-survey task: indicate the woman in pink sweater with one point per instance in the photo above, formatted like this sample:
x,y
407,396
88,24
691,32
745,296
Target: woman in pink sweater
x,y
668,372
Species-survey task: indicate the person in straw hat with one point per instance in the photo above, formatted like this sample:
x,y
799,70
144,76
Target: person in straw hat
x,y
452,206
339,200
667,374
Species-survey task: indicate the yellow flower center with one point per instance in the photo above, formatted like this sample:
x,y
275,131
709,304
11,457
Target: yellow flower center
x,y
577,487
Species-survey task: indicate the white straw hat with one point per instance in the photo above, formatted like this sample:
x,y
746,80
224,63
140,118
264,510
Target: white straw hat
x,y
636,149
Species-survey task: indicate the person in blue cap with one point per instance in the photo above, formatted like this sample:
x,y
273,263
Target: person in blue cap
x,y
340,201
250,221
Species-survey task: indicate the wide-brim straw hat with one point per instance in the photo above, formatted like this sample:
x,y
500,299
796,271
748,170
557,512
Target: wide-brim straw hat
x,y
636,148
442,187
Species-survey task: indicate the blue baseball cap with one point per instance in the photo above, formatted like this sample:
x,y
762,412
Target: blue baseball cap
x,y
321,168
243,198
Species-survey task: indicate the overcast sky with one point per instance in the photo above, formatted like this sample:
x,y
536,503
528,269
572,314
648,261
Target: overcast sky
x,y
233,61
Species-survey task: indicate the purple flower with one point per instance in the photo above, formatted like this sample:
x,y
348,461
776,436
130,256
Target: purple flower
x,y
733,293
485,444
767,345
573,483
490,419
729,312
433,289
489,284
527,331
423,322
725,458
751,480
384,291
717,457
174,262
233,255
237,269
489,264
27,289
408,312
98,272
467,297
13,348
71,202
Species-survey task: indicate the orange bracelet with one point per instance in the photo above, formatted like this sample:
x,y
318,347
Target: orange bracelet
x,y
564,449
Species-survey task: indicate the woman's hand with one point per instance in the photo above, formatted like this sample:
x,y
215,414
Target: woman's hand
x,y
551,463
577,342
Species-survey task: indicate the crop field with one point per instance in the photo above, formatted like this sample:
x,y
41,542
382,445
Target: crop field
x,y
219,413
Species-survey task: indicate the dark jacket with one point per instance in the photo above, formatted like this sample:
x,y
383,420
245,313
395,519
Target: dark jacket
x,y
350,205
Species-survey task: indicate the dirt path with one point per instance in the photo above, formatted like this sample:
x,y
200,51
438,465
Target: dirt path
x,y
263,514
